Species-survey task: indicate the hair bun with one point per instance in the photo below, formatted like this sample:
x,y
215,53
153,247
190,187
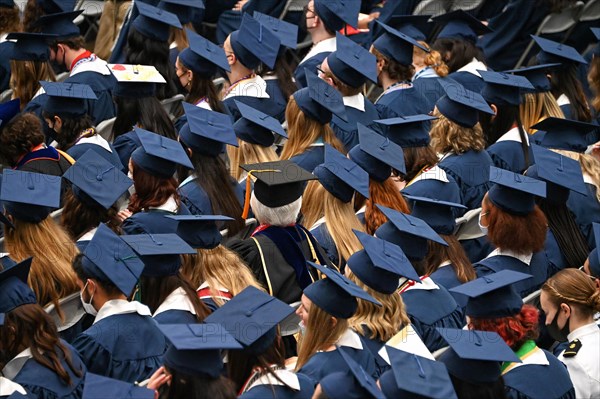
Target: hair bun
x,y
594,300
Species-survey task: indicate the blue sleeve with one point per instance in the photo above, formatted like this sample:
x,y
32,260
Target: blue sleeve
x,y
124,146
96,358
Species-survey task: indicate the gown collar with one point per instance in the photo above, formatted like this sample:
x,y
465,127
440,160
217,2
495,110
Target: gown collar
x,y
120,306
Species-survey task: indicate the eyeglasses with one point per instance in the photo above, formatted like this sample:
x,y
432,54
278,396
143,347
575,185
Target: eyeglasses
x,y
589,275
305,10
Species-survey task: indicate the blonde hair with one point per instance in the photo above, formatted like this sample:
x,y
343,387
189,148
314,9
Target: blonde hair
x,y
447,136
382,321
431,59
536,107
590,166
179,37
51,277
573,286
25,78
248,153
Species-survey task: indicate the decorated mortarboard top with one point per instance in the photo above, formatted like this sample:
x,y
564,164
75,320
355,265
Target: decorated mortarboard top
x,y
408,131
135,81
256,127
30,46
435,212
335,293
96,181
206,132
251,317
67,98
319,100
159,155
461,25
60,24
9,110
555,52
342,176
195,349
101,387
155,23
563,134
183,9
514,193
462,106
475,356
335,14
504,89
352,63
381,265
14,291
594,257
203,57
285,31
200,231
377,154
254,43
396,45
537,76
30,196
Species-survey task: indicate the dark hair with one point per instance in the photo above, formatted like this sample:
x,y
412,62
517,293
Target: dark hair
x,y
394,69
468,390
285,74
71,128
565,81
415,159
9,19
495,126
31,14
146,112
74,43
454,253
108,286
420,266
19,136
205,88
151,190
144,50
457,53
195,387
79,217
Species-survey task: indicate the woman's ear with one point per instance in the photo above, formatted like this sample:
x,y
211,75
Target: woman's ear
x,y
495,109
565,308
334,321
57,123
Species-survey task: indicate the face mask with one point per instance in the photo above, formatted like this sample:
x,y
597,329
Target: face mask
x,y
129,174
559,334
484,229
302,327
88,307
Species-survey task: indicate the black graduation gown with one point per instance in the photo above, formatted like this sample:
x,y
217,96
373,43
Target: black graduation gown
x,y
47,161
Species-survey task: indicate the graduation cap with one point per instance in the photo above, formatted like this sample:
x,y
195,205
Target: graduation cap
x,y
159,252
109,258
396,45
9,110
408,232
335,294
564,134
537,76
206,132
54,6
335,14
353,383
415,376
381,265
159,155
377,154
342,176
195,349
60,24
252,317
30,196
14,291
514,193
415,26
561,174
286,32
475,356
594,257
199,231
101,387
351,63
30,46
155,23
7,3
183,9
436,213
461,25
96,181
408,131
502,88
462,106
319,100
135,81
203,57
68,99
555,52
256,127
254,43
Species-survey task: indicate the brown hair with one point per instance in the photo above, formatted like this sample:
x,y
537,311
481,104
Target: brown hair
x,y
536,107
593,78
416,159
31,14
78,217
343,88
453,253
447,136
74,43
394,69
179,36
201,87
248,153
573,287
432,59
151,191
19,136
25,78
386,194
9,19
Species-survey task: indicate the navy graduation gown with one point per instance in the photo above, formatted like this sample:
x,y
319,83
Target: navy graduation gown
x,y
311,64
5,53
103,108
507,152
274,91
76,319
470,170
311,158
477,248
445,276
395,102
78,150
176,309
266,391
347,132
194,197
322,235
153,221
374,345
587,211
556,259
175,316
468,80
430,88
124,145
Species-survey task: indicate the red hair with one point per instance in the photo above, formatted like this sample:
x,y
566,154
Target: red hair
x,y
151,191
385,194
514,330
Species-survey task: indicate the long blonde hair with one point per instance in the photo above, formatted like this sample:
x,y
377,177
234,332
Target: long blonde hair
x,y
25,78
536,107
447,136
248,153
51,277
590,166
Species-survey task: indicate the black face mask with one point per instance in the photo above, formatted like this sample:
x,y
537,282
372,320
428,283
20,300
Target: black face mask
x,y
559,334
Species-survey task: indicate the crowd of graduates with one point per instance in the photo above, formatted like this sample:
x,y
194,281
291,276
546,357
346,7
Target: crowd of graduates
x,y
299,199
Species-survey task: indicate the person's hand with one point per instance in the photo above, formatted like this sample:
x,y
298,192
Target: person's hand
x,y
157,380
238,6
124,214
596,151
365,19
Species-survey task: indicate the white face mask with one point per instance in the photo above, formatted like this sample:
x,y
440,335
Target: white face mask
x,y
484,229
88,307
302,327
130,175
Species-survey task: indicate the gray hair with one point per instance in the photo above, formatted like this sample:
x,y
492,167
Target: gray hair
x,y
281,216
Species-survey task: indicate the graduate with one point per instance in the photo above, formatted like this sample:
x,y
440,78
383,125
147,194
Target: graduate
x,y
11,14
124,342
100,387
9,389
186,11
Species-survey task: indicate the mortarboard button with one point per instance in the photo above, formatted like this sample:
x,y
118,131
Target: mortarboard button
x,y
159,155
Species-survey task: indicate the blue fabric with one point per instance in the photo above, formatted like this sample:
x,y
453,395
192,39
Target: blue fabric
x,y
274,91
347,132
103,108
324,239
322,364
468,80
311,64
446,277
477,248
471,172
79,149
402,102
310,158
72,332
556,259
374,345
196,200
587,211
173,54
124,145
508,155
567,110
175,316
431,89
265,105
5,51
282,392
153,221
127,347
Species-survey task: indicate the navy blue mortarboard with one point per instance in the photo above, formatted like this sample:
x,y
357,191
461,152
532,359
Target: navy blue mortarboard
x,y
502,88
514,193
96,181
203,57
256,127
408,232
54,6
68,99
564,134
195,349
285,31
557,52
319,100
30,46
377,154
408,131
155,23
60,24
7,3
396,45
381,265
135,81
101,387
596,32
353,383
254,43
475,356
159,155
200,231
252,317
14,291
342,176
335,294
351,63
183,9
159,252
206,132
337,13
9,110
109,258
436,213
415,376
561,174
30,196
462,106
461,25
415,26
537,76
594,257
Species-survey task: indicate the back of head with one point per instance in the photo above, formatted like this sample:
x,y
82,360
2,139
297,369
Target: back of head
x,y
19,136
575,288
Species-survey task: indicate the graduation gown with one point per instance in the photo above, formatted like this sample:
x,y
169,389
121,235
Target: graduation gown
x,y
398,101
311,158
45,160
427,82
124,145
206,296
469,77
313,59
322,235
176,309
76,320
253,92
374,345
274,91
7,388
507,152
556,259
358,110
123,343
445,276
194,197
266,386
99,145
586,210
153,220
